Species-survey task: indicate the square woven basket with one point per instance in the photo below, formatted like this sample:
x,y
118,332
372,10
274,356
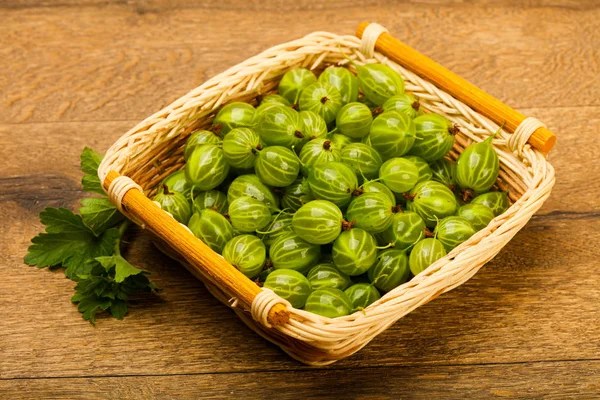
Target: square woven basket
x,y
144,156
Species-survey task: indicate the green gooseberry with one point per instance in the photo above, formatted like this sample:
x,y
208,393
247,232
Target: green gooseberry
x,y
406,230
340,140
442,170
234,115
327,275
280,226
434,137
297,194
293,252
277,166
334,182
206,168
453,230
379,82
399,174
495,201
318,222
318,151
432,201
199,138
343,80
377,187
248,214
354,120
275,99
365,161
425,173
247,253
477,214
212,228
405,103
322,98
250,185
281,126
392,134
174,203
477,167
354,251
290,285
240,147
176,182
362,295
314,125
425,253
390,271
372,212
294,82
212,199
328,302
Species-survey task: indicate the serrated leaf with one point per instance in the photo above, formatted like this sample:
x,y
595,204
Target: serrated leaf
x,y
89,306
118,309
90,161
99,214
123,269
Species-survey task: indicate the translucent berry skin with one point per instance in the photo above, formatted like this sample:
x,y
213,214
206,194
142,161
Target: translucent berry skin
x,y
318,222
275,99
477,214
379,82
281,126
327,276
297,194
406,230
293,83
442,171
362,295
321,98
206,168
334,182
250,185
378,187
364,160
293,252
240,147
453,230
343,80
405,103
354,120
425,253
432,201
495,201
212,199
328,302
477,167
212,228
354,251
433,137
247,253
281,226
318,151
277,166
425,173
235,115
248,214
371,212
399,174
176,204
199,138
392,134
314,125
390,271
176,182
289,285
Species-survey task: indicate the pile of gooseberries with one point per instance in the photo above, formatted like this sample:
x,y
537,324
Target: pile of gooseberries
x,y
334,190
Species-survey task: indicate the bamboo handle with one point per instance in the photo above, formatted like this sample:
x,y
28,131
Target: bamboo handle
x,y
542,139
202,259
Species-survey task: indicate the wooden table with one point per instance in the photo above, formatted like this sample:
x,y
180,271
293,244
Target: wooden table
x,y
81,72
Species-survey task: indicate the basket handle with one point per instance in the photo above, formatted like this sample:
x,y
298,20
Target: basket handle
x,y
204,262
482,102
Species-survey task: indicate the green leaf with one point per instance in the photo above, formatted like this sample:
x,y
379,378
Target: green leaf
x,y
90,161
118,309
99,214
122,267
89,306
68,242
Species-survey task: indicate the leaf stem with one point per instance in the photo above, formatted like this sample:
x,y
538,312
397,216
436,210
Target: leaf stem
x,y
122,229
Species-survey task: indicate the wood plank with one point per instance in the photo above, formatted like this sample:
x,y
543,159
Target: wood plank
x,y
66,65
555,380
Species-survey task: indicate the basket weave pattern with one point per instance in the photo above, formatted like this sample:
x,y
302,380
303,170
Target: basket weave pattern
x,y
154,148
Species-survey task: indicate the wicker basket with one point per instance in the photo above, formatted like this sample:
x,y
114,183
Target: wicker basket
x,y
146,154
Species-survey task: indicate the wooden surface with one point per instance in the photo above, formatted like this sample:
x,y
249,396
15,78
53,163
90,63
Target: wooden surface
x,y
81,72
